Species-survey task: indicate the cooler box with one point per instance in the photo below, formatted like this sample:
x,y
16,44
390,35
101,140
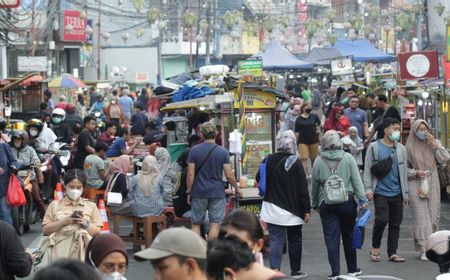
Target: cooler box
x,y
176,149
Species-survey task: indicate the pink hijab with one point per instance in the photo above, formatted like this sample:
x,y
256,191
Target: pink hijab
x,y
121,164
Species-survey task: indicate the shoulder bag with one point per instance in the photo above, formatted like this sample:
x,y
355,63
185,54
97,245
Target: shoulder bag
x,y
113,198
381,168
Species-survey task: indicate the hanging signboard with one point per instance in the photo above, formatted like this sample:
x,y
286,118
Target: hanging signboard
x,y
9,4
448,42
446,66
252,67
256,100
32,63
74,27
341,66
142,77
418,65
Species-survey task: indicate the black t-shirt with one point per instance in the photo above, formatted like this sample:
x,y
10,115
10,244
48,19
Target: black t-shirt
x,y
138,122
84,139
307,129
391,112
120,185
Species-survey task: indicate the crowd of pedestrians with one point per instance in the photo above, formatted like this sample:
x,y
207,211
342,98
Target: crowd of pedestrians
x,y
332,155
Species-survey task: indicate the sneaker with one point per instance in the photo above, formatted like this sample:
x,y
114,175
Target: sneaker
x,y
299,275
423,257
333,277
355,273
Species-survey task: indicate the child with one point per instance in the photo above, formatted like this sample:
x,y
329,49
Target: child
x,y
358,147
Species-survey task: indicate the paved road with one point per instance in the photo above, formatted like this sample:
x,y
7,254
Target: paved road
x,y
315,261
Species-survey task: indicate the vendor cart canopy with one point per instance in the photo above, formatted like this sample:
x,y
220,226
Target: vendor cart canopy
x,y
362,51
277,58
322,56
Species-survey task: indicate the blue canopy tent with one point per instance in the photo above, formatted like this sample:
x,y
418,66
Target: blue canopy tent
x,y
362,51
277,58
322,56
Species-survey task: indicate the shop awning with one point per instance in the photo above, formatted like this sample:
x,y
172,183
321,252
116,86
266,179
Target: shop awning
x,y
17,81
362,51
322,56
276,57
210,102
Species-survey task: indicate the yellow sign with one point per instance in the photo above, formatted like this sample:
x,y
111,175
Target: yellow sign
x,y
448,42
256,100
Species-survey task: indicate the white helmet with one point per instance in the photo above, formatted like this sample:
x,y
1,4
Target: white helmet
x,y
59,112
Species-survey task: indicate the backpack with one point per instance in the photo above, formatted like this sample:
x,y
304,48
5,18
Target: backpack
x,y
316,99
262,184
334,186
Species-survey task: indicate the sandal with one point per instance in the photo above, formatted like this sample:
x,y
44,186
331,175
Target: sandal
x,y
396,258
374,257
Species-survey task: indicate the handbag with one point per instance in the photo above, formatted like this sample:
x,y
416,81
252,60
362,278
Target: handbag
x,y
15,195
381,168
113,198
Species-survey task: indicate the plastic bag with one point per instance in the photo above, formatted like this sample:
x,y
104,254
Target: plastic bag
x,y
15,196
424,189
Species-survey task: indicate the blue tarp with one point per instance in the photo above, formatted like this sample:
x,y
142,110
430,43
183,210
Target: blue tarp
x,y
362,51
277,58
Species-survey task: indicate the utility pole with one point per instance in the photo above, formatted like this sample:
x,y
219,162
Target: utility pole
x,y
99,32
208,34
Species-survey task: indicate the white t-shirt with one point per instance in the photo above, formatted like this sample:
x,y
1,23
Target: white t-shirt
x,y
46,137
235,142
272,214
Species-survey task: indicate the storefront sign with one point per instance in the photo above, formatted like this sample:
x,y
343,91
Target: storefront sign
x,y
446,64
32,63
256,100
142,77
9,3
418,65
341,66
252,67
74,27
448,42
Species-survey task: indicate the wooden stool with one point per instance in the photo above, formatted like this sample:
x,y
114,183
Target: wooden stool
x,y
149,223
92,194
117,220
174,221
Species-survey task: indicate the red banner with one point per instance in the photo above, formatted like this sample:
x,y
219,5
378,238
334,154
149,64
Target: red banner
x,y
418,65
9,4
446,66
74,26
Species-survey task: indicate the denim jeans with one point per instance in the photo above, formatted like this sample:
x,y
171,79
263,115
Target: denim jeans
x,y
5,211
277,235
338,220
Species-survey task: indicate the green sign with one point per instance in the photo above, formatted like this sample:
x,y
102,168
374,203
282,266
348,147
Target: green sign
x,y
252,67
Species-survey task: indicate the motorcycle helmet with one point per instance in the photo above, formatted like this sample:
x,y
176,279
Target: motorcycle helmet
x,y
58,115
34,127
437,249
19,134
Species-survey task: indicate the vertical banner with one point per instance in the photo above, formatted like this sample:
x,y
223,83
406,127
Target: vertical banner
x,y
448,42
242,127
74,27
446,68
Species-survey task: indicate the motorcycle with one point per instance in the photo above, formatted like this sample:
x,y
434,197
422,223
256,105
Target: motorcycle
x,y
24,216
100,123
52,166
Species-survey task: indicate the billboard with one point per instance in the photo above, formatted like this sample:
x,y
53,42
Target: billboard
x,y
32,63
418,65
74,27
341,66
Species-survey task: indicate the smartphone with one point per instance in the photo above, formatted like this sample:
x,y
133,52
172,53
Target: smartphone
x,y
77,214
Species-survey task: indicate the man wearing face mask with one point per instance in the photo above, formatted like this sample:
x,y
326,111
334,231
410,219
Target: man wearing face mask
x,y
61,130
389,191
41,136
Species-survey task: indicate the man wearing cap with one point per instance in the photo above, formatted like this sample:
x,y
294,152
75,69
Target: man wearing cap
x,y
177,254
205,186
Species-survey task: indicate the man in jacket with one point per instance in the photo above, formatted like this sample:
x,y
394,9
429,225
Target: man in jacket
x,y
14,261
390,194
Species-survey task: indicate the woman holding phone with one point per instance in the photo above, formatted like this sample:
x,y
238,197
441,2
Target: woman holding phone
x,y
71,222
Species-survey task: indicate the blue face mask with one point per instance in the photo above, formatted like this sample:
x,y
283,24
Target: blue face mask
x,y
421,135
395,136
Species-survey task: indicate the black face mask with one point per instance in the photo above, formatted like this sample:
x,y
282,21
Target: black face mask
x,y
308,110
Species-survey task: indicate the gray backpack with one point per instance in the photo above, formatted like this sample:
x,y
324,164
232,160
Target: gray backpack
x,y
334,186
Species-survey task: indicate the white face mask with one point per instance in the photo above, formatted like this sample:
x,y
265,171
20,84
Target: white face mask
x,y
74,194
111,276
33,132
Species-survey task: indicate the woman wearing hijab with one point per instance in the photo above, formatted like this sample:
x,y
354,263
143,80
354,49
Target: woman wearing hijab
x,y
286,204
425,153
167,174
147,193
337,121
357,147
106,253
118,183
292,114
337,219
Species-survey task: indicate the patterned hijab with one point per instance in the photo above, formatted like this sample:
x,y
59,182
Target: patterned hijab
x,y
147,178
163,158
331,141
287,143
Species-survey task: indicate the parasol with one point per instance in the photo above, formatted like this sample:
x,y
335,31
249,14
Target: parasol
x,y
66,81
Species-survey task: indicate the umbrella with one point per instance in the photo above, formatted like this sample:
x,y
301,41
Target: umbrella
x,y
66,81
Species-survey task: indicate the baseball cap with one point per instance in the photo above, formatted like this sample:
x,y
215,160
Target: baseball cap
x,y
208,128
175,241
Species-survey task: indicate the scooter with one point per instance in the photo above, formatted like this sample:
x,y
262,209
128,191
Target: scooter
x,y
100,123
24,216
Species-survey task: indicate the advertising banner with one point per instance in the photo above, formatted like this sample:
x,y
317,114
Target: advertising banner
x,y
74,27
418,65
32,63
252,67
446,67
9,3
341,66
